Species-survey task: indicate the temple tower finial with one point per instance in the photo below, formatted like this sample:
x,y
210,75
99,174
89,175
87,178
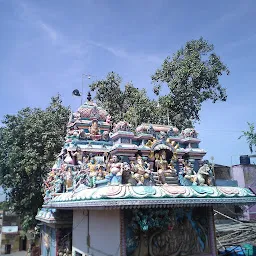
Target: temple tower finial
x,y
89,96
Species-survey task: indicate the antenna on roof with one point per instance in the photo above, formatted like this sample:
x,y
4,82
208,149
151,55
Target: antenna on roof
x,y
78,93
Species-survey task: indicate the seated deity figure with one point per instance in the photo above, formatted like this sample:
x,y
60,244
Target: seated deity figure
x,y
141,171
94,129
189,173
163,168
100,172
115,171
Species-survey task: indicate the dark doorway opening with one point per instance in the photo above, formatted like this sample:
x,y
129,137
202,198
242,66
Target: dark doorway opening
x,y
7,249
23,244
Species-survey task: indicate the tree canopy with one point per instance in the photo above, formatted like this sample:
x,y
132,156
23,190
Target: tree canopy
x,y
250,136
192,76
29,144
131,104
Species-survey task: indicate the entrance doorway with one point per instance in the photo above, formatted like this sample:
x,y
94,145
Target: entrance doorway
x,y
23,244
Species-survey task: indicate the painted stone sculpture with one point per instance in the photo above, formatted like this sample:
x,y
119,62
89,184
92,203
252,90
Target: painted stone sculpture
x,y
69,179
84,161
141,171
173,132
115,171
189,133
122,126
204,175
166,172
187,174
94,129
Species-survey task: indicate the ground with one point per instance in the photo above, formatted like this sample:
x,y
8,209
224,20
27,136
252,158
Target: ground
x,y
21,253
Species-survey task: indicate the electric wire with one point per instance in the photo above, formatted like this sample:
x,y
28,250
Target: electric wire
x,y
235,233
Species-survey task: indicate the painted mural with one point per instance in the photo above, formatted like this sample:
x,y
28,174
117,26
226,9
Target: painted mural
x,y
166,232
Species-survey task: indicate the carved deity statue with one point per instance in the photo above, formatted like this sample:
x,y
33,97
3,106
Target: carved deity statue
x,y
204,176
69,179
92,172
116,170
94,129
141,171
105,135
189,172
108,119
59,183
77,156
164,169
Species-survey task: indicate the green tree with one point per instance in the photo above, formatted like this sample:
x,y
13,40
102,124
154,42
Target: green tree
x,y
29,142
130,104
250,136
192,76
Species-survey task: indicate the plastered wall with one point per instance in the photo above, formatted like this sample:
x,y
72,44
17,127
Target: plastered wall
x,y
103,230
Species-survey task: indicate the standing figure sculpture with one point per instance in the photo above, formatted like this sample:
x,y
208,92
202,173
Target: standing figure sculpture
x,y
115,171
92,172
69,179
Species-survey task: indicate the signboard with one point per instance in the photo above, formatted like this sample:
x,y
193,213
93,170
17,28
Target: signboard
x,y
10,213
9,229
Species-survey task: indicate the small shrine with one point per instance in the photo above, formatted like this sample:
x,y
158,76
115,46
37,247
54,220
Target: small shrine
x,y
115,190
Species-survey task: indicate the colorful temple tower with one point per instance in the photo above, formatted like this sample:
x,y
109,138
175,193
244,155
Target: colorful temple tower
x,y
118,191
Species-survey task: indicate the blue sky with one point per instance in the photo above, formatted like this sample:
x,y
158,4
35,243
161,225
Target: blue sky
x,y
46,45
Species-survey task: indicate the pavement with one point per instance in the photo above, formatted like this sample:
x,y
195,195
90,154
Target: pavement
x,y
20,253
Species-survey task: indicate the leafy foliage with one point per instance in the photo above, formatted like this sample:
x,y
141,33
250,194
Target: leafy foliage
x,y
192,76
250,136
29,143
131,104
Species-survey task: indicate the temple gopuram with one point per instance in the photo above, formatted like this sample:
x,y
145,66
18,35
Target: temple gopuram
x,y
116,191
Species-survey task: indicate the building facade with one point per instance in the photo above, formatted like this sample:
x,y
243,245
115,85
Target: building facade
x,y
245,174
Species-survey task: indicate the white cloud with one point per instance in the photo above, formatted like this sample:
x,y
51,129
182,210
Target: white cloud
x,y
51,32
120,53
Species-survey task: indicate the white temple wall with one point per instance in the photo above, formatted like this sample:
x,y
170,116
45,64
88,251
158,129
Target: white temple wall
x,y
104,232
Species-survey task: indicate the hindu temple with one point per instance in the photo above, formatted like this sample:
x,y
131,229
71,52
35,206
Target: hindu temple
x,y
118,190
